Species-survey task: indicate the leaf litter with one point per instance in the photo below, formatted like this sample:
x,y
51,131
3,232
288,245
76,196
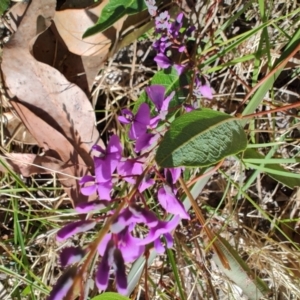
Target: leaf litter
x,y
56,112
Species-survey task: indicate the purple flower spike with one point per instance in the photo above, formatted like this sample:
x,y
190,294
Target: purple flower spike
x,y
104,266
170,203
139,122
63,285
74,228
162,61
160,229
71,255
107,163
119,268
86,207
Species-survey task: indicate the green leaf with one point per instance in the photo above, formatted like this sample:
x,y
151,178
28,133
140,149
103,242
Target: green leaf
x,y
4,4
114,11
239,272
110,296
275,171
201,138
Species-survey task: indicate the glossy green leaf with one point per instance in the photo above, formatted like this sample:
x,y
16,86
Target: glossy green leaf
x,y
114,11
275,171
110,296
201,138
239,272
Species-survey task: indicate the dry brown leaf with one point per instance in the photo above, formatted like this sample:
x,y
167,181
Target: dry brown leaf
x,y
71,25
56,112
45,90
57,146
28,164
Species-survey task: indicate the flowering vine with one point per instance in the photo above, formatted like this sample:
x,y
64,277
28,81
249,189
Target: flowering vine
x,y
125,242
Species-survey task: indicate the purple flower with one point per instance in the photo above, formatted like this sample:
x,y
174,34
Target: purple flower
x,y
89,186
126,243
108,160
131,215
139,122
202,89
162,61
170,203
176,26
152,8
162,44
71,255
63,285
86,207
112,258
145,141
156,94
172,174
74,228
162,21
161,229
130,168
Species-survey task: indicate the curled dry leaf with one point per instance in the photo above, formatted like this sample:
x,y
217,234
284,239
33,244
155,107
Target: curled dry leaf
x,y
57,113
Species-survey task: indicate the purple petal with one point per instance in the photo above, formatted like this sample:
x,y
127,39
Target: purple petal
x,y
170,203
71,255
162,61
154,122
143,215
146,183
166,102
63,284
143,114
206,91
103,168
86,207
128,246
159,247
169,240
123,120
120,272
156,94
102,274
104,189
103,245
179,68
145,141
174,173
88,190
74,228
160,229
124,219
130,167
